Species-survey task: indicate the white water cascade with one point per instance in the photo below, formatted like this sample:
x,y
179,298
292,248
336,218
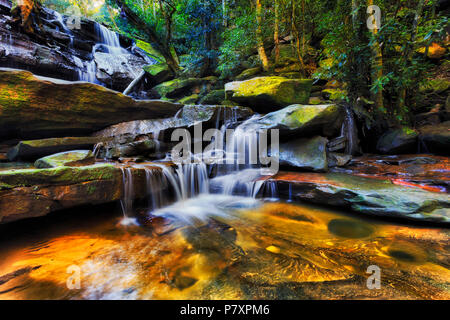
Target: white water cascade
x,y
109,39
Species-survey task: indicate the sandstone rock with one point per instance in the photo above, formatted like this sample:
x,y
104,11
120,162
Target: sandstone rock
x,y
305,154
403,140
119,69
69,158
33,149
303,120
365,195
31,193
32,106
269,93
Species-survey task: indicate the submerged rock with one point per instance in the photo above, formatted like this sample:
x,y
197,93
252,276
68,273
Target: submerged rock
x,y
265,94
307,154
403,140
365,195
33,106
69,158
33,149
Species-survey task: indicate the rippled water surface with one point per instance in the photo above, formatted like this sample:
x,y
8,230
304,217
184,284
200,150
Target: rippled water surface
x,y
234,248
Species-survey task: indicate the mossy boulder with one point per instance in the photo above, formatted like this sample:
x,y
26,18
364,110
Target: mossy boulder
x,y
192,99
69,158
158,73
150,50
334,94
265,94
36,107
305,154
402,140
295,120
365,196
29,193
182,87
436,86
214,97
436,138
34,149
249,73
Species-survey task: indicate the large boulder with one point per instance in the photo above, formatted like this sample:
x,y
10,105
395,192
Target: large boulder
x,y
33,149
302,120
398,141
436,138
364,195
305,154
265,94
120,69
32,106
209,116
29,193
69,158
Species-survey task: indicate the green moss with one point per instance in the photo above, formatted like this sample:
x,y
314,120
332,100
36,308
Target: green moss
x,y
59,175
152,52
335,94
435,86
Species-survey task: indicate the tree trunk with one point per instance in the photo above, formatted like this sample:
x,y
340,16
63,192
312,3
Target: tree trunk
x,y
259,34
409,50
296,35
377,65
162,45
276,33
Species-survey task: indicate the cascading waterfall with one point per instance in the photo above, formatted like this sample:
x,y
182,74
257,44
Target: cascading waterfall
x,y
109,39
128,197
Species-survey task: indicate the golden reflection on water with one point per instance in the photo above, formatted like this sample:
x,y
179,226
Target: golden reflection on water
x,y
277,251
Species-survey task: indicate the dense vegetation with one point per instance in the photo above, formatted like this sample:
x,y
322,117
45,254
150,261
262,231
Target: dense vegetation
x,y
379,69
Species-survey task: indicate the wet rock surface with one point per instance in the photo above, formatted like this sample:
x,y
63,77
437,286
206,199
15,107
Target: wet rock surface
x,y
365,195
28,193
69,54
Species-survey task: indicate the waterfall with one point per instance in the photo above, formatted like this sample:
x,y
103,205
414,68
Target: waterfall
x,y
350,131
109,39
128,197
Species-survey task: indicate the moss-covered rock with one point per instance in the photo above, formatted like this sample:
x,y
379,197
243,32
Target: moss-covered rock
x,y
305,154
69,158
269,93
150,50
214,97
31,193
366,196
37,107
33,149
304,120
181,87
334,94
192,99
159,73
436,86
402,140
